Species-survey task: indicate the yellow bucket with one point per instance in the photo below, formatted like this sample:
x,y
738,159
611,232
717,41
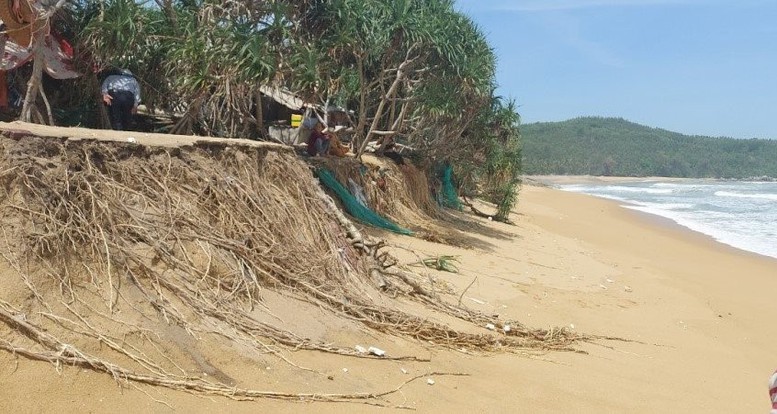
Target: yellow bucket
x,y
296,120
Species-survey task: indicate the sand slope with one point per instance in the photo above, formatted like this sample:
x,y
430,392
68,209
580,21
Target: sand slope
x,y
699,314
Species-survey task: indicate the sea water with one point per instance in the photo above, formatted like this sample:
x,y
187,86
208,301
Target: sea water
x,y
742,214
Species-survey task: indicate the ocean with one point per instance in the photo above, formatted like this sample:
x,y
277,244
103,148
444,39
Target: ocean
x,y
742,214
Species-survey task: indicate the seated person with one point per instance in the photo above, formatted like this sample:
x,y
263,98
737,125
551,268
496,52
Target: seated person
x,y
318,141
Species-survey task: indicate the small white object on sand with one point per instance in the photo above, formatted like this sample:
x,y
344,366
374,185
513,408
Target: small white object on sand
x,y
490,326
376,351
430,381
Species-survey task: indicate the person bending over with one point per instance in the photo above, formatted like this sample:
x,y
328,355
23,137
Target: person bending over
x,y
121,93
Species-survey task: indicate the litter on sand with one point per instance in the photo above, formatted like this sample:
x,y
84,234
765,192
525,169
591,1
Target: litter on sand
x,y
376,351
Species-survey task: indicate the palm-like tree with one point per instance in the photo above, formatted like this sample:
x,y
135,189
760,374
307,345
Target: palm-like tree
x,y
416,70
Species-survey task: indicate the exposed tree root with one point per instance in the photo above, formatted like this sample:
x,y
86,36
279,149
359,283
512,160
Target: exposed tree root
x,y
112,239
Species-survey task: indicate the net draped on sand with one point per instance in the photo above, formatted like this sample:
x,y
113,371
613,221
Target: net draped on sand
x,y
103,243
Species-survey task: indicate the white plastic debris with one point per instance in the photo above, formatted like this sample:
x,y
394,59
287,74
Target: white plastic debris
x,y
603,287
345,369
490,326
572,325
376,351
610,280
132,140
360,349
506,328
627,288
404,371
430,381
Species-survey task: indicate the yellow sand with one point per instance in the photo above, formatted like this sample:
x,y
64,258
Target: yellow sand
x,y
700,315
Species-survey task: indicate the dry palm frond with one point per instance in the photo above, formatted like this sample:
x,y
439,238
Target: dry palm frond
x,y
444,263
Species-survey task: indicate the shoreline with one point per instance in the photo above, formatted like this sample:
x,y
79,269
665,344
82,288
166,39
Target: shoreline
x,y
555,182
706,275
679,298
551,180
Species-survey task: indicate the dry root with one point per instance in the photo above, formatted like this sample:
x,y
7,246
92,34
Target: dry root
x,y
191,237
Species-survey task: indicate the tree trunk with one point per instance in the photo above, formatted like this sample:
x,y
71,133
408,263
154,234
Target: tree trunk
x,y
359,133
395,126
35,79
400,75
46,103
259,114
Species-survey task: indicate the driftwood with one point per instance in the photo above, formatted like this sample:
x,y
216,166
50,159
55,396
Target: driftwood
x,y
479,213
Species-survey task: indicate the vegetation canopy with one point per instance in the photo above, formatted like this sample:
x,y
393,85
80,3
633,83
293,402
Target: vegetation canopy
x,y
615,147
416,71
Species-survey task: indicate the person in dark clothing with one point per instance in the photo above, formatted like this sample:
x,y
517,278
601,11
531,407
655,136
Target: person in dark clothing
x,y
121,92
318,142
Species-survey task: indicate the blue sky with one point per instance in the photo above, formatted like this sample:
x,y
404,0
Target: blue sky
x,y
699,67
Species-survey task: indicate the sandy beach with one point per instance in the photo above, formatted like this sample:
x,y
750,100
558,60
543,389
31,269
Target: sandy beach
x,y
694,318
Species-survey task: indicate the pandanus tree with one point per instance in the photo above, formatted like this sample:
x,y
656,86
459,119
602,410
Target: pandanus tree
x,y
457,85
415,70
499,140
204,59
39,26
339,50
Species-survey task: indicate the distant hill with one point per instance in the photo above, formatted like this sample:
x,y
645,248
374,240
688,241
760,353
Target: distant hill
x,y
616,147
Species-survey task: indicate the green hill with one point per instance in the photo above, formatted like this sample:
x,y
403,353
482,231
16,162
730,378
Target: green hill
x,y
616,147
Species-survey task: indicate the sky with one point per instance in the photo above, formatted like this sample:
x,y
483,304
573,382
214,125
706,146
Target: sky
x,y
698,67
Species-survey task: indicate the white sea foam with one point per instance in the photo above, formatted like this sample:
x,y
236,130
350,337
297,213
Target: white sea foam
x,y
731,235
740,214
641,190
741,195
663,206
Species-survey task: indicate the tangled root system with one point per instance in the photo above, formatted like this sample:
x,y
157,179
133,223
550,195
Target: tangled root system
x,y
105,241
